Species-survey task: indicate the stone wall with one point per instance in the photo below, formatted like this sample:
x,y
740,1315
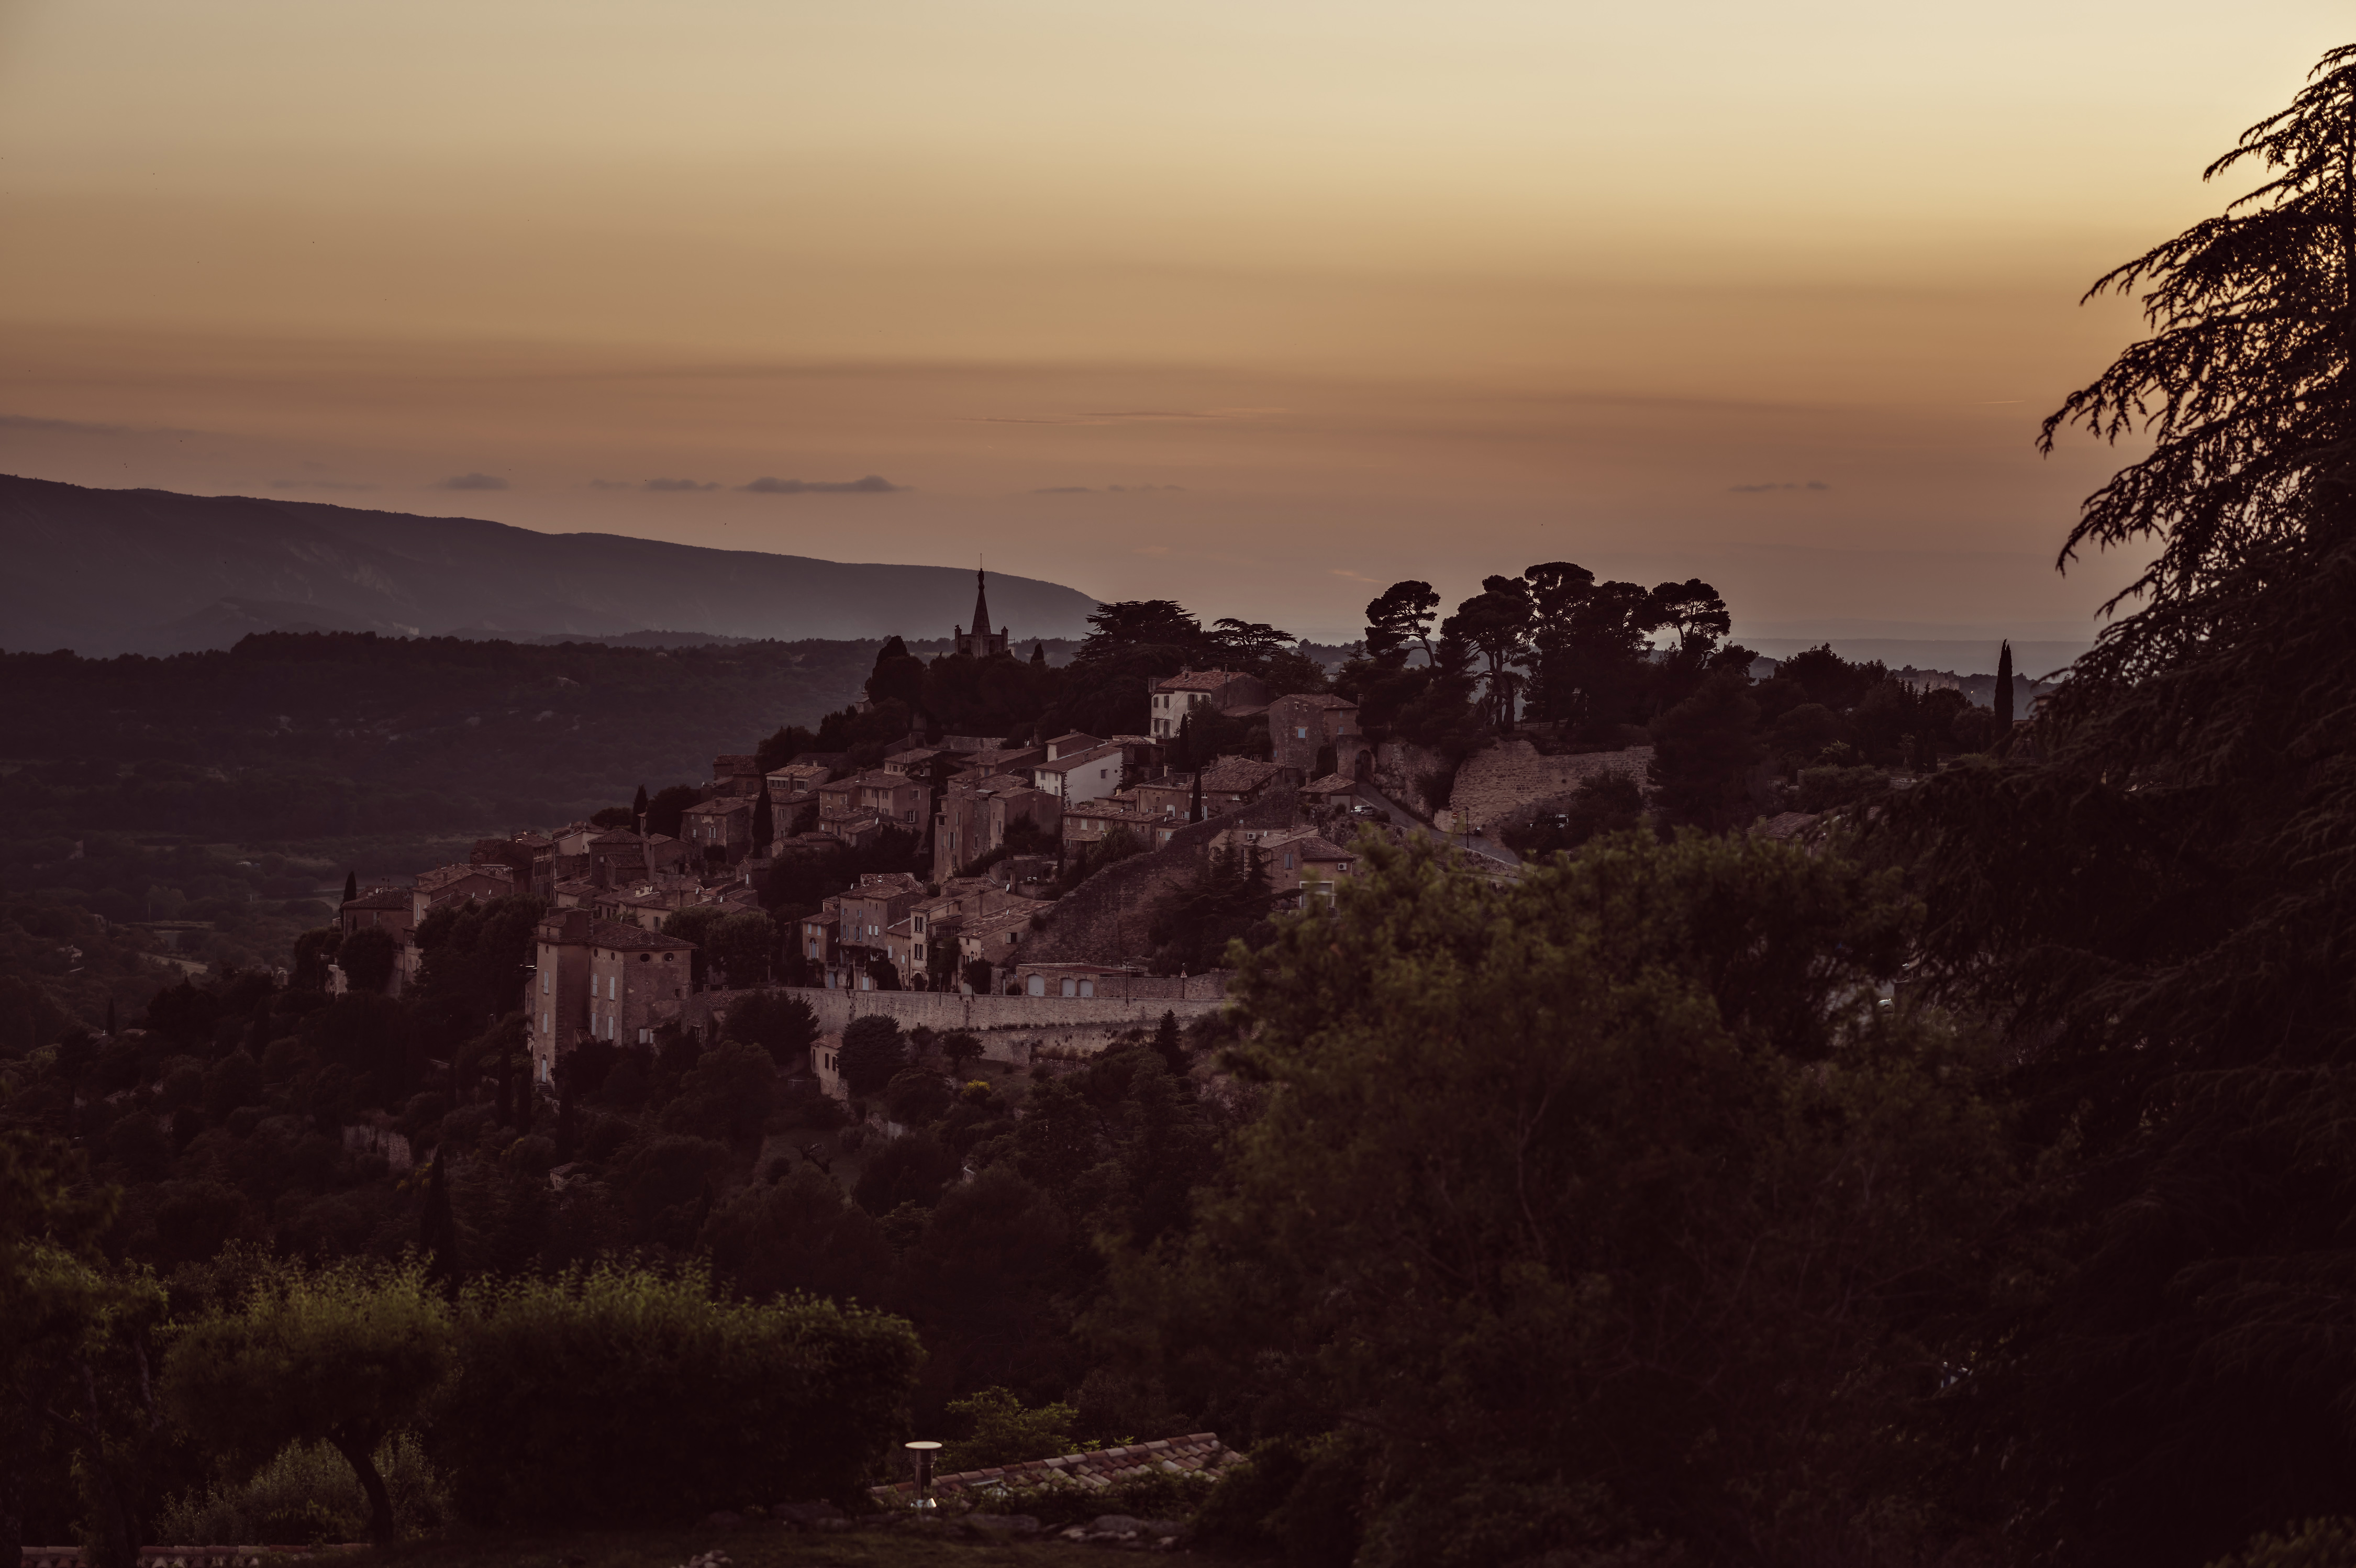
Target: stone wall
x,y
1109,918
992,1018
1400,770
1507,784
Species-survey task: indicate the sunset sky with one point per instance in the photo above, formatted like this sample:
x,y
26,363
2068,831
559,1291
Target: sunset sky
x,y
1258,305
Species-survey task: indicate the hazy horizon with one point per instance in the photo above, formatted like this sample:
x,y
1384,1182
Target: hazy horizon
x,y
1258,308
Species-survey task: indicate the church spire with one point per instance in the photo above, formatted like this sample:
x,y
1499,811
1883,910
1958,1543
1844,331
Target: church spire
x,y
981,625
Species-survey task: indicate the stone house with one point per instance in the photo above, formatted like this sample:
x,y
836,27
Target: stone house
x,y
996,938
718,831
599,979
1090,773
734,775
976,813
862,917
893,797
1305,868
1064,744
1302,725
1229,784
1087,822
1169,698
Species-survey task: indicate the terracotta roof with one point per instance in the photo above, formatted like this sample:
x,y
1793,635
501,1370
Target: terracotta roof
x,y
1332,784
1091,1472
382,898
1065,763
1238,773
1197,680
1316,700
615,934
718,808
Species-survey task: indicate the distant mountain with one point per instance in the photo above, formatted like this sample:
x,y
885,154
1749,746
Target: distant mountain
x,y
106,572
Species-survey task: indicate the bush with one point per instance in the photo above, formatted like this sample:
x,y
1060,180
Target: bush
x,y
1000,1431
308,1495
1828,789
624,1397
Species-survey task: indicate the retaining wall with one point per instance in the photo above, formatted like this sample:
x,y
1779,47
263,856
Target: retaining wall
x,y
1507,784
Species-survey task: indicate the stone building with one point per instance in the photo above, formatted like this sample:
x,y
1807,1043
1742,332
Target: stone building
x,y
976,813
1169,698
599,979
1302,725
981,642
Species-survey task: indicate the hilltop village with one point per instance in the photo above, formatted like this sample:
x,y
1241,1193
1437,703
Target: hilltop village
x,y
1055,885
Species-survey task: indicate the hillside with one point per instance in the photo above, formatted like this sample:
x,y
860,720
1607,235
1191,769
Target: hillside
x,y
107,572
293,737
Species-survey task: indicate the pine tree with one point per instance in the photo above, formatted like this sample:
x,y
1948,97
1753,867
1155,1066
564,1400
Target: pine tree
x,y
351,886
2004,691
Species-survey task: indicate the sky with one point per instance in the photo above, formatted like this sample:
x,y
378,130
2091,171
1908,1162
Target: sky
x,y
1258,304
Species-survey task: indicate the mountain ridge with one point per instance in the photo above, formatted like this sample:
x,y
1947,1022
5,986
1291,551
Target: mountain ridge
x,y
146,571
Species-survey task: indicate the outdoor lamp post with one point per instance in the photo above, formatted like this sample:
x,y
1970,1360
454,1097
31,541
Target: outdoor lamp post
x,y
924,1453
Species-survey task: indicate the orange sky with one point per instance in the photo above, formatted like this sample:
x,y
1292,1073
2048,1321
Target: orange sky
x,y
1258,306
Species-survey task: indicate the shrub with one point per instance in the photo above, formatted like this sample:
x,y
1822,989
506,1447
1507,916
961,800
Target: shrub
x,y
621,1396
999,1430
308,1494
1825,789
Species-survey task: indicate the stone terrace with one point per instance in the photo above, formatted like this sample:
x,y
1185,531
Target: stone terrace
x,y
1096,1472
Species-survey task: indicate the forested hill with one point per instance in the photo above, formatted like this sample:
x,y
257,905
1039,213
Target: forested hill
x,y
105,572
292,738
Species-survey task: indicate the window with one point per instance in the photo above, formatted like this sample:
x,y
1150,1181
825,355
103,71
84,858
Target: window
x,y
1087,988
1038,986
546,982
1287,860
1300,732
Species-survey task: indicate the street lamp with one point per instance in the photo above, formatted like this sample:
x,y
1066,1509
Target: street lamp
x,y
924,1453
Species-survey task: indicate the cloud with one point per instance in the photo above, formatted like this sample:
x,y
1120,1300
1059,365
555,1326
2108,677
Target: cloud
x,y
872,485
317,485
58,426
472,482
1349,576
1124,416
1109,490
682,485
1756,490
609,484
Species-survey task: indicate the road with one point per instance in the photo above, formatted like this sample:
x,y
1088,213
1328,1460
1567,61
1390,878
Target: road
x,y
1479,844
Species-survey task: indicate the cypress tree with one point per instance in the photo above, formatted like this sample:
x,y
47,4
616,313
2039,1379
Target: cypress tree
x,y
764,825
1167,1045
2004,691
1194,806
638,806
1038,656
437,1229
351,886
1182,745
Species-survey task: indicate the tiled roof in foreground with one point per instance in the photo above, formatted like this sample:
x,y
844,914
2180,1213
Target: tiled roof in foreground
x,y
1097,1471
